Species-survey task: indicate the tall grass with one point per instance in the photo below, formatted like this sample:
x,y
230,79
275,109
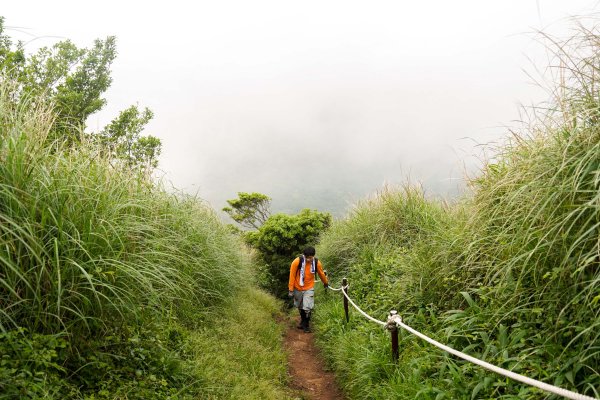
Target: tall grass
x,y
510,274
98,257
242,355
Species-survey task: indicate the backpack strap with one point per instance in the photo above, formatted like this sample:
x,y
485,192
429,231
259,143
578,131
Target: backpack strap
x,y
303,260
300,264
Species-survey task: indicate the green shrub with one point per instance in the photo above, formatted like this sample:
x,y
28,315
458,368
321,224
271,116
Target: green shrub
x,y
30,366
280,239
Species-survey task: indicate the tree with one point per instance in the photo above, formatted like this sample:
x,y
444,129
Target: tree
x,y
11,61
281,238
250,210
79,93
121,137
74,81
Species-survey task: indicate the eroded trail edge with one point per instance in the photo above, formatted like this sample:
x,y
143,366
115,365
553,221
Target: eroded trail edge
x,y
305,366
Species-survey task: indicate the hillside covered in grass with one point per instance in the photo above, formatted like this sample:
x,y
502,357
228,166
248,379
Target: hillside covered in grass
x,y
110,287
510,273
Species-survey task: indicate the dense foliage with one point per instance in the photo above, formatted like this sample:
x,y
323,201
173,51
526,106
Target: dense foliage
x,y
510,274
74,80
250,210
111,287
108,284
280,239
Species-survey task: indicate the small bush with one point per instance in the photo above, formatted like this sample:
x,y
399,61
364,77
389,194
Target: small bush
x,y
282,238
30,366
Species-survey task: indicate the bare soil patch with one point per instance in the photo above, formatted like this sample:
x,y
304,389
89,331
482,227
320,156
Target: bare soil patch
x,y
306,367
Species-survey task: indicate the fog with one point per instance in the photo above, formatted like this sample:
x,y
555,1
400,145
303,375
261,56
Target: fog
x,y
319,103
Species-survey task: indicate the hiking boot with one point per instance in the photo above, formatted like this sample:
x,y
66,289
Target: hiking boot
x,y
302,319
306,327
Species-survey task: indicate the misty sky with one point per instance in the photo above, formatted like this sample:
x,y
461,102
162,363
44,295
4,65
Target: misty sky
x,y
315,103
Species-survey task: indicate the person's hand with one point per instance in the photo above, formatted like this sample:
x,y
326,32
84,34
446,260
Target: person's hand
x,y
290,294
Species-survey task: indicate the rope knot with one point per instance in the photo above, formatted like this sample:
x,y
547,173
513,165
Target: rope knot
x,y
393,320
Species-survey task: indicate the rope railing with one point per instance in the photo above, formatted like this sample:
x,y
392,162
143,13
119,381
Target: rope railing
x,y
364,314
394,321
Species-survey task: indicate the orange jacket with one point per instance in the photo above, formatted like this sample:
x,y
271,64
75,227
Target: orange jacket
x,y
309,277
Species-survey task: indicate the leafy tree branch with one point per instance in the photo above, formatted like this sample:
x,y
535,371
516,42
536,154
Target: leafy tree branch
x,y
250,210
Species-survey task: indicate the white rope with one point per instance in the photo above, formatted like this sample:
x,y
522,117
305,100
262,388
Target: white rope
x,y
541,385
336,289
513,375
361,311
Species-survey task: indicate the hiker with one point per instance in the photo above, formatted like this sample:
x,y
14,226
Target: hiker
x,y
302,282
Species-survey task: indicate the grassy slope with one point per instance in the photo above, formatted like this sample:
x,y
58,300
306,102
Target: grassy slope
x,y
241,354
509,274
110,287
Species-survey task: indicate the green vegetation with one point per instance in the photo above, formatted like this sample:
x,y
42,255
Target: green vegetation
x,y
250,210
112,288
279,240
74,80
243,350
510,274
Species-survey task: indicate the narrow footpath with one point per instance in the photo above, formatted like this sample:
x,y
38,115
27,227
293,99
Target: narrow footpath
x,y
306,367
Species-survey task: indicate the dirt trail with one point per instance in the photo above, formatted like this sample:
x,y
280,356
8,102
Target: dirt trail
x,y
305,366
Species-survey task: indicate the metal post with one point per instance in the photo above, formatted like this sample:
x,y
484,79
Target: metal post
x,y
394,332
344,284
